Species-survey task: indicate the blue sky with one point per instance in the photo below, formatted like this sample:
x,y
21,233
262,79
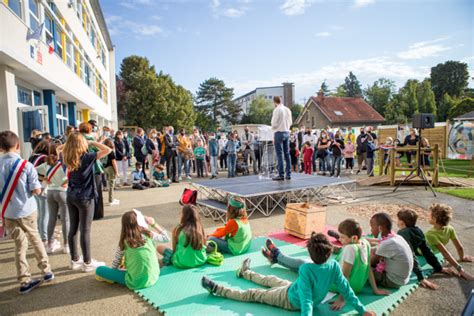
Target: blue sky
x,y
252,43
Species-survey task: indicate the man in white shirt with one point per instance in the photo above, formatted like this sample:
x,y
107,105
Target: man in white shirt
x,y
281,123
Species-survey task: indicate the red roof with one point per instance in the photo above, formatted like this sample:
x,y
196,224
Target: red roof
x,y
342,110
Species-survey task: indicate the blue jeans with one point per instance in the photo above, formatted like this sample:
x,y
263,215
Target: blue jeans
x,y
291,263
222,245
213,161
322,164
181,162
231,161
43,216
282,148
336,165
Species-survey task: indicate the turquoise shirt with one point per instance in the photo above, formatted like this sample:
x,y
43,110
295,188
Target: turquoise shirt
x,y
313,283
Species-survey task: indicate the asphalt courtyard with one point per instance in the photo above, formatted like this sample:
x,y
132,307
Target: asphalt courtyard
x,y
79,293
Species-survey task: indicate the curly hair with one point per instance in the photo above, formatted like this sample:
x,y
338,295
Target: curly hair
x,y
441,213
319,248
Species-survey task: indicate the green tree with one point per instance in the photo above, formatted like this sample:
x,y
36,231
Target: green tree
x,y
426,97
340,91
446,104
260,112
296,110
409,100
214,101
395,111
352,85
379,94
182,114
466,105
324,89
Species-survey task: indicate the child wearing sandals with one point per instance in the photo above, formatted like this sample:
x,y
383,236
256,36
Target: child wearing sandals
x,y
137,246
354,259
189,241
237,231
310,288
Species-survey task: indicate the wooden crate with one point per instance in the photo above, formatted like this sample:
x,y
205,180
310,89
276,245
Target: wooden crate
x,y
303,218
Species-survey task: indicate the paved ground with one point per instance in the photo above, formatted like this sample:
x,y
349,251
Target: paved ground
x,y
79,293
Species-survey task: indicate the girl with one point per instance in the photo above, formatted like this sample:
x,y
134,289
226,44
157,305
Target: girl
x,y
81,195
136,244
111,170
189,242
349,150
307,158
386,149
56,181
121,155
425,160
237,231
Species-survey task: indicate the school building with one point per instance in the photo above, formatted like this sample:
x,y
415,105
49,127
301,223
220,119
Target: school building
x,y
57,66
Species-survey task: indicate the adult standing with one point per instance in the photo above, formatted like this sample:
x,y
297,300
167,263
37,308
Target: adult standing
x,y
222,151
152,151
81,195
185,155
121,155
281,123
301,133
361,149
138,142
257,151
411,140
247,148
170,153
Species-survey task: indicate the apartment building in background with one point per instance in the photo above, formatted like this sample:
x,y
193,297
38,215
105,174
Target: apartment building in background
x,y
57,66
286,92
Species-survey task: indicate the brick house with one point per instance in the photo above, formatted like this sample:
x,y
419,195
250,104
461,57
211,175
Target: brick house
x,y
321,111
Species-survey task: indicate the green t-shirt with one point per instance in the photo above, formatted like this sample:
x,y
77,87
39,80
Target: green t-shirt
x,y
200,153
187,257
142,265
240,243
440,236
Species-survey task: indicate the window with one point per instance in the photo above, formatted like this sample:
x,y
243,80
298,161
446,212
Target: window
x,y
87,77
69,54
103,58
79,9
312,121
49,29
24,95
34,14
92,36
58,47
15,5
61,117
37,98
338,113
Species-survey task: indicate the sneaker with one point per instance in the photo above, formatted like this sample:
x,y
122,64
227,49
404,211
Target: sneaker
x,y
244,266
288,178
48,277
352,172
358,171
66,249
89,267
53,247
30,286
278,178
188,178
114,202
101,279
77,265
169,180
209,285
268,254
180,179
270,245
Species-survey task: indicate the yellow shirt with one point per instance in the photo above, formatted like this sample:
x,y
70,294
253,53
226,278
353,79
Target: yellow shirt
x,y
183,144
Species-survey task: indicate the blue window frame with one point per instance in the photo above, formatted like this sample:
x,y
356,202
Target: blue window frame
x,y
36,98
24,95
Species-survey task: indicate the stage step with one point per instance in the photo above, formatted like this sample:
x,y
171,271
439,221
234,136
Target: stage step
x,y
217,210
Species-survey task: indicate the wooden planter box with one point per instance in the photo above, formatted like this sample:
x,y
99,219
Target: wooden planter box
x,y
303,218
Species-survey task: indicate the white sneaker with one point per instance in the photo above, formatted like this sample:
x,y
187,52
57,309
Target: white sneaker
x,y
352,172
55,246
89,267
169,181
77,265
66,249
180,178
114,202
189,178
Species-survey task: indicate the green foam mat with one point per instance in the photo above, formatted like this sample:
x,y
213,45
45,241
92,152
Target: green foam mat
x,y
179,292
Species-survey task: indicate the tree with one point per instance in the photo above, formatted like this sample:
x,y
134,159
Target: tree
x,y
409,101
465,106
260,112
295,111
214,101
446,104
340,91
352,86
324,89
380,94
394,111
426,97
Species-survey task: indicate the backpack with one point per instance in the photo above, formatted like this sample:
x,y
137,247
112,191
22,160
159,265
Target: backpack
x,y
144,149
188,197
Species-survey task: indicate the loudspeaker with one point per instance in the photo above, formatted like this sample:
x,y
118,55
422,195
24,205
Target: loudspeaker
x,y
423,120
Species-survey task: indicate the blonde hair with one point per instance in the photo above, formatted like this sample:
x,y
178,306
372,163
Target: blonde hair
x,y
75,146
151,132
424,139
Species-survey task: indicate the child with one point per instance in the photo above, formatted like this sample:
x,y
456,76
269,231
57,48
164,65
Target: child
x,y
309,289
354,259
308,158
200,154
138,179
111,170
237,231
189,241
425,160
136,245
441,233
213,154
416,239
393,257
19,211
56,181
349,150
386,152
159,177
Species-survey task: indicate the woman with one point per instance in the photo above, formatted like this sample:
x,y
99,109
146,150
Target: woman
x,y
152,151
81,196
185,154
293,151
411,140
322,152
121,155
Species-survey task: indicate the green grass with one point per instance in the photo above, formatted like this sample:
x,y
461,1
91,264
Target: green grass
x,y
453,168
465,193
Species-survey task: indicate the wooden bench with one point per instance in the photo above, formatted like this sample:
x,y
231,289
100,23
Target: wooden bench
x,y
215,209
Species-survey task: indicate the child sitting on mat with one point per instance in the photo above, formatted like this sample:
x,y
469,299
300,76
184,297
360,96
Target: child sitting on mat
x,y
354,259
159,177
441,233
309,289
136,245
237,231
138,178
189,241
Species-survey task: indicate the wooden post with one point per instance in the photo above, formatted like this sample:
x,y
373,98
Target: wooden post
x,y
434,179
381,161
471,167
392,167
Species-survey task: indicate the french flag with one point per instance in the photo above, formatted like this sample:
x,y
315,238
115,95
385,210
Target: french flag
x,y
11,183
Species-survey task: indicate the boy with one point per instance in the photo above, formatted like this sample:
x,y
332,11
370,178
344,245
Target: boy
x,y
19,182
416,239
371,149
309,289
441,233
138,178
393,257
200,154
213,154
159,177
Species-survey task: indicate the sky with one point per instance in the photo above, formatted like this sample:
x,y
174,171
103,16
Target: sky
x,y
258,43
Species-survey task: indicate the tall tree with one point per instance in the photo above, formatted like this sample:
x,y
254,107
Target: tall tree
x,y
426,97
466,105
409,101
379,94
352,85
395,111
340,91
296,110
260,112
324,89
446,105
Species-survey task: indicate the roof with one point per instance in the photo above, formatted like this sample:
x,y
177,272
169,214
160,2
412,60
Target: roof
x,y
344,110
465,116
259,88
99,16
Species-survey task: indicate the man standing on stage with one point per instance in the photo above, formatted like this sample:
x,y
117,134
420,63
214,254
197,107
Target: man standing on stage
x,y
281,123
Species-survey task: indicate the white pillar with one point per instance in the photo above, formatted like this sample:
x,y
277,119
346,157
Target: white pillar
x,y
8,95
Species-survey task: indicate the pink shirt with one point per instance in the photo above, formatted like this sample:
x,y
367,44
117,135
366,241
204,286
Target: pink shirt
x,y
349,151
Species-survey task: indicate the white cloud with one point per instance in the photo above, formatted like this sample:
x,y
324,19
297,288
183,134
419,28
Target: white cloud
x,y
135,4
424,49
233,13
362,3
323,34
230,12
295,7
118,25
146,29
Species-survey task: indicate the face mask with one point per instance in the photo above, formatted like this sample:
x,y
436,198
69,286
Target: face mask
x,y
106,134
94,129
125,135
324,136
139,170
153,135
362,132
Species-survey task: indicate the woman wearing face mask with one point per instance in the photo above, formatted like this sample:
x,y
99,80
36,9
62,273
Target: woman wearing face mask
x,y
322,146
152,150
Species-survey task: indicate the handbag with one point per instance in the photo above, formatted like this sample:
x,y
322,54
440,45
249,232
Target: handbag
x,y
188,197
215,257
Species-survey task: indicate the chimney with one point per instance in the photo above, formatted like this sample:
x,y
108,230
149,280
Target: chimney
x,y
288,95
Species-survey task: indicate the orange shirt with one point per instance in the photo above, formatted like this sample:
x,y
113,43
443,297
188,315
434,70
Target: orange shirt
x,y
231,227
